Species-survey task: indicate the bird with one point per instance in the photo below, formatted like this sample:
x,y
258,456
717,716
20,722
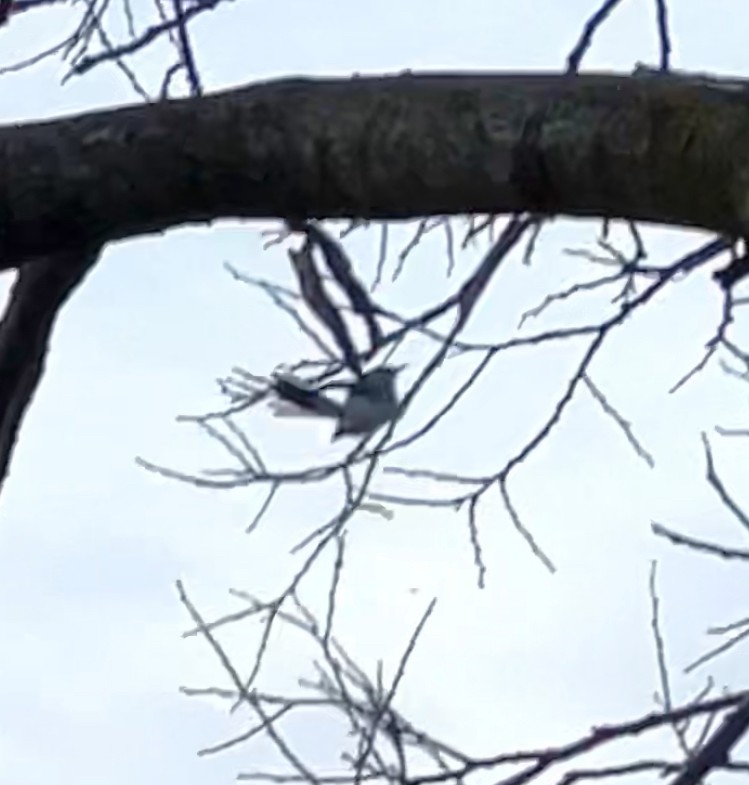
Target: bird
x,y
371,402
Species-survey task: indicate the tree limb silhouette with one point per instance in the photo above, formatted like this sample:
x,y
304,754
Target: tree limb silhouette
x,y
668,150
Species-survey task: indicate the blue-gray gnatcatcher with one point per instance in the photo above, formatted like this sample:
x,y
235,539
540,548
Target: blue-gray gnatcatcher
x,y
372,401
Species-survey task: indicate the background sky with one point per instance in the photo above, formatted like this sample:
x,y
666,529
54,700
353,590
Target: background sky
x,y
91,545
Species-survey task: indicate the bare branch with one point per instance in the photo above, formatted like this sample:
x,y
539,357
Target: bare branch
x,y
564,294
586,39
638,767
273,175
247,697
713,344
186,50
319,303
718,650
624,425
699,545
720,489
471,291
39,292
717,749
664,37
660,648
342,271
85,64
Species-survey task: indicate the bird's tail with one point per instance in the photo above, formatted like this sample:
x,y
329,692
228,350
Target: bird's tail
x,y
304,400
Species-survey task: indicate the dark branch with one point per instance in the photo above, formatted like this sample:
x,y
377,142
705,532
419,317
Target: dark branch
x,y
711,548
380,149
717,749
317,300
590,29
40,291
88,62
664,37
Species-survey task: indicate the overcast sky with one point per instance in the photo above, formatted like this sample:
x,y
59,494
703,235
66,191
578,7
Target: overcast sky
x,y
91,545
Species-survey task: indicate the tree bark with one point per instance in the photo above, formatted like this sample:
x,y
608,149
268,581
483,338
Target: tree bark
x,y
38,294
666,151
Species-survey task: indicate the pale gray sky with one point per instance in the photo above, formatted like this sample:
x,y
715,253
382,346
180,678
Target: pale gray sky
x,y
90,545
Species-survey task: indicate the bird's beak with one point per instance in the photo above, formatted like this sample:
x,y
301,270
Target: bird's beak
x,y
397,368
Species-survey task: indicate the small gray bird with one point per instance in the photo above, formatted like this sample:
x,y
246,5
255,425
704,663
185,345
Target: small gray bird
x,y
372,401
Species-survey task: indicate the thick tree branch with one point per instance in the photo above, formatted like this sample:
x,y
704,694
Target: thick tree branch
x,y
718,747
671,151
40,291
